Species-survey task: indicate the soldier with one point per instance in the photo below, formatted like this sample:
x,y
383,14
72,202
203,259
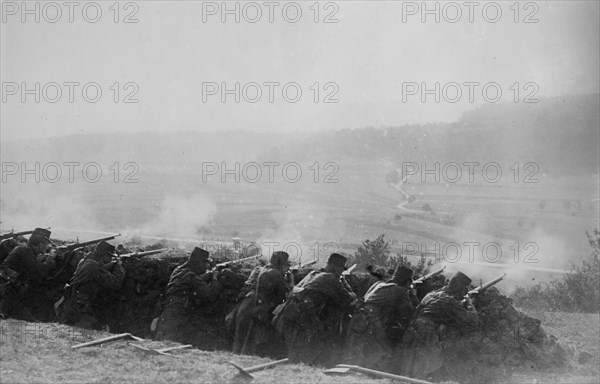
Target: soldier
x,y
267,287
93,275
120,250
433,284
378,326
6,247
310,319
440,312
189,289
24,274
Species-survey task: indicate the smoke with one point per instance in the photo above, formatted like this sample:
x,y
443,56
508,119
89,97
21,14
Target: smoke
x,y
539,257
26,207
181,217
299,226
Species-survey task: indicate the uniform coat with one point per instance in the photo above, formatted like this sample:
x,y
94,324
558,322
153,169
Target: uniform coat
x,y
311,319
90,279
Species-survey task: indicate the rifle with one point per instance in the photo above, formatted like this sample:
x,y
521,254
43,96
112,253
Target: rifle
x,y
429,276
138,254
225,264
300,265
349,270
78,245
12,234
68,251
485,286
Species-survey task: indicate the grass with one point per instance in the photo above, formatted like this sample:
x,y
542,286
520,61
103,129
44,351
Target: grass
x,y
577,333
41,353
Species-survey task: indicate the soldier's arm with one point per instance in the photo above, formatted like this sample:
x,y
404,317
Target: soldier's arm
x,y
47,262
37,269
203,291
110,279
405,307
339,293
463,315
280,286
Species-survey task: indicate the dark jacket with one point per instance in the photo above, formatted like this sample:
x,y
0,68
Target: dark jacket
x,y
391,303
91,277
311,320
443,308
24,261
253,320
188,296
186,283
322,289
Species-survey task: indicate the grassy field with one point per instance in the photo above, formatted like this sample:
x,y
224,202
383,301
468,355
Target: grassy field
x,y
41,353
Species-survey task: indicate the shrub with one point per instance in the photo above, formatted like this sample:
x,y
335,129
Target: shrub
x,y
374,252
378,252
577,291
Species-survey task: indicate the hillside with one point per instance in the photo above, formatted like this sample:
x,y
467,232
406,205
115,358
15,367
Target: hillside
x,y
560,134
342,195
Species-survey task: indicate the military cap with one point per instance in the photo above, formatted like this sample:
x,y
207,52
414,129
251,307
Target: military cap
x,y
402,275
337,259
41,233
104,248
198,255
459,280
279,258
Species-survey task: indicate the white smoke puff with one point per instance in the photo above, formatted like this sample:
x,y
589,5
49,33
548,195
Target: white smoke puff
x,y
181,217
551,251
292,233
66,211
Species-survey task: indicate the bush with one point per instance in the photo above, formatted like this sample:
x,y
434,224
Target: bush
x,y
377,252
577,291
374,252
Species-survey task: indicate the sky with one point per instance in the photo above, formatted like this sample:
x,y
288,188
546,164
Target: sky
x,y
174,60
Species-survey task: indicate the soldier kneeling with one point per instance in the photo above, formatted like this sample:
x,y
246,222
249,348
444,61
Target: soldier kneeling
x,y
190,290
93,275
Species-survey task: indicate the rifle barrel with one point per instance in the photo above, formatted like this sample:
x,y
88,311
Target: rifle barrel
x,y
487,285
298,266
225,263
12,234
429,276
144,253
349,270
74,246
